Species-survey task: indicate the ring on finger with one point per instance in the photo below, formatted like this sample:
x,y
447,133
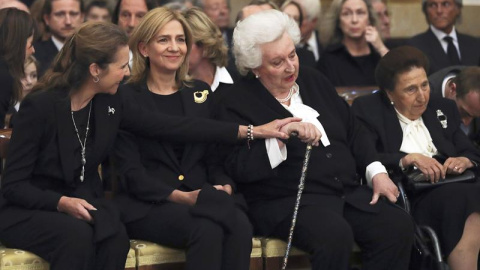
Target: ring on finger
x,y
455,168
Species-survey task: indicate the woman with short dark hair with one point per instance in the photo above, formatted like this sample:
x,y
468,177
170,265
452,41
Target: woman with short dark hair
x,y
412,130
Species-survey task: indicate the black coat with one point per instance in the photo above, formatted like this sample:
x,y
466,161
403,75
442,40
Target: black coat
x,y
45,52
40,156
332,176
380,117
150,168
428,43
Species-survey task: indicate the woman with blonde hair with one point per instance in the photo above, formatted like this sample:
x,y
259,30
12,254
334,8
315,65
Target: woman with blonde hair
x,y
174,193
209,55
353,44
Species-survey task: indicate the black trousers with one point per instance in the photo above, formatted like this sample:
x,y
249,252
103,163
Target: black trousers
x,y
208,245
67,243
385,238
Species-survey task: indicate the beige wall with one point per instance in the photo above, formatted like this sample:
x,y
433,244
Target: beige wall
x,y
407,17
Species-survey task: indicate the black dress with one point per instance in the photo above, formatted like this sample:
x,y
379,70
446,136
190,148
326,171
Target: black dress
x,y
444,208
6,91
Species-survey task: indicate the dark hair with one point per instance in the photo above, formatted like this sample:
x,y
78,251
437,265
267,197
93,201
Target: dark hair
x,y
16,26
151,4
97,3
467,80
397,61
92,42
47,7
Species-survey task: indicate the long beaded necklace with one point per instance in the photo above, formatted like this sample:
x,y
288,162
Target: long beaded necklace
x,y
292,91
84,144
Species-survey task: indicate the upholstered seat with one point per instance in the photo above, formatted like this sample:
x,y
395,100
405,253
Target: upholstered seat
x,y
273,251
151,256
17,259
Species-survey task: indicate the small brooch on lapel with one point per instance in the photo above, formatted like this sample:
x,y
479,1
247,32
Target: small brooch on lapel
x,y
200,96
111,110
442,118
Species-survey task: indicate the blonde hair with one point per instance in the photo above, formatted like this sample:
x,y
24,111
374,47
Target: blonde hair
x,y
207,35
330,25
151,23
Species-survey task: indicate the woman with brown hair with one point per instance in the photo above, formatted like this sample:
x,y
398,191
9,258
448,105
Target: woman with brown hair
x,y
16,33
353,44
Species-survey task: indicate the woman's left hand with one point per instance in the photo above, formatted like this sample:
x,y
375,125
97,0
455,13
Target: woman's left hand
x,y
457,165
373,37
227,188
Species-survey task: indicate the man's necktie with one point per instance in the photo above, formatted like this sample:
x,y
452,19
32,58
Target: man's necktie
x,y
452,51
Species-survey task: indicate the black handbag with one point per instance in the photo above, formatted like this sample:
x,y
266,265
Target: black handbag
x,y
417,181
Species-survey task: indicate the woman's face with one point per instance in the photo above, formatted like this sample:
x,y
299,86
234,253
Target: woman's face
x,y
30,78
167,49
292,11
411,93
354,19
279,69
112,76
29,49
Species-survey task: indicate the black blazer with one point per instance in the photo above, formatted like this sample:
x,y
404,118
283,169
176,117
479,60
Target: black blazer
x,y
380,117
45,52
150,168
332,178
428,43
6,91
40,156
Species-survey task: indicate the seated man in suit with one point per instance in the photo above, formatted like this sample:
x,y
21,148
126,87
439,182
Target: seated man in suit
x,y
461,84
442,44
61,17
310,40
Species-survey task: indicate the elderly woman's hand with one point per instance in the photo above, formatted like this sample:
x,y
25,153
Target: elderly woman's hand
x,y
306,132
373,37
75,207
430,167
457,165
383,186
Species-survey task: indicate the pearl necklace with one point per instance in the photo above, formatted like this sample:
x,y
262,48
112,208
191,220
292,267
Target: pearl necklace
x,y
292,91
84,144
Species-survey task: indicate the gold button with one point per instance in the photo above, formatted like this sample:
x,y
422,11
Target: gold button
x,y
181,177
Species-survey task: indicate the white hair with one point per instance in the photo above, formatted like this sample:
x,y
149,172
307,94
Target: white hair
x,y
311,8
257,29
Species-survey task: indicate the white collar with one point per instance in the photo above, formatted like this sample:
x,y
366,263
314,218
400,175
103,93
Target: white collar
x,y
57,43
312,42
440,34
221,76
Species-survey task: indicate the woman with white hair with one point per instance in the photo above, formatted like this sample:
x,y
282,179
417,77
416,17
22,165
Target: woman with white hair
x,y
336,209
353,44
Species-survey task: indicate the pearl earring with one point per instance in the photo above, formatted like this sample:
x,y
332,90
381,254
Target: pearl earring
x,y
391,102
256,76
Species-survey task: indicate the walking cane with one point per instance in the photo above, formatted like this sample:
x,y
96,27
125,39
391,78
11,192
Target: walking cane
x,y
297,204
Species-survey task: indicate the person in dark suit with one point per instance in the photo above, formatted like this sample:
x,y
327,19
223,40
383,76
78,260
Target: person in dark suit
x,y
461,84
209,55
443,45
310,41
335,208
177,194
51,199
16,29
353,44
61,18
410,129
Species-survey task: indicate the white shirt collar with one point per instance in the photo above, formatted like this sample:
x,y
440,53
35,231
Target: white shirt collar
x,y
445,80
221,76
57,43
440,35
